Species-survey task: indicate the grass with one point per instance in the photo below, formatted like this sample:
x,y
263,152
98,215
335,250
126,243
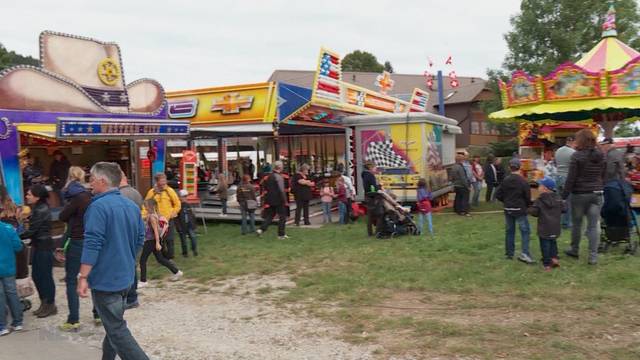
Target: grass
x,y
454,294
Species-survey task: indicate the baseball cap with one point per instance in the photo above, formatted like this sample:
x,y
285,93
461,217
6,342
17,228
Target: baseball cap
x,y
514,163
606,141
548,182
183,192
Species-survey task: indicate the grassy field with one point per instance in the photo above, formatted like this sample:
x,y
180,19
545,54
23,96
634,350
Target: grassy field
x,y
451,295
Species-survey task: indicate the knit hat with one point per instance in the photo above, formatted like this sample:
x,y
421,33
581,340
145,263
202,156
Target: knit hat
x,y
548,182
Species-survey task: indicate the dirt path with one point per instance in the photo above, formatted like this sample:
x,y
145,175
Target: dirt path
x,y
235,319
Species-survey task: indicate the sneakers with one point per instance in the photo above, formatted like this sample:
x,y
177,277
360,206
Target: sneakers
x,y
132,305
97,321
547,268
571,253
525,258
283,237
555,262
4,332
508,257
176,276
142,284
70,326
17,328
259,232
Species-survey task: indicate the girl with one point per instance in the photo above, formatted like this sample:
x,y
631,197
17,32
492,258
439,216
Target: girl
x,y
326,195
42,249
152,245
424,206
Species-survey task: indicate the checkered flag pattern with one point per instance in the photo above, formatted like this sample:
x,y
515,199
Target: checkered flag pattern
x,y
383,155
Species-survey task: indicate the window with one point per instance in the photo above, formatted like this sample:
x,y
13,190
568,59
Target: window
x,y
475,127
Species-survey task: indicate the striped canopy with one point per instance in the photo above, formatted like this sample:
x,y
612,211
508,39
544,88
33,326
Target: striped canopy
x,y
610,54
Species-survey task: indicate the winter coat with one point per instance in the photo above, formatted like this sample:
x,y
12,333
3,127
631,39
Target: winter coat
x,y
186,220
39,227
301,192
10,244
459,176
369,182
515,194
548,208
586,172
245,192
78,198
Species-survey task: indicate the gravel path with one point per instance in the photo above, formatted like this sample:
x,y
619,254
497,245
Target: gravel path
x,y
235,319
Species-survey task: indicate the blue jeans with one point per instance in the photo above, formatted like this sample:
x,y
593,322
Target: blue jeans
x,y
9,295
510,236
250,217
224,205
421,218
565,219
326,211
192,236
72,268
477,187
342,210
42,275
118,339
549,250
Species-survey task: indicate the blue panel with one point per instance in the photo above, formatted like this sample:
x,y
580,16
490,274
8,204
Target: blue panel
x,y
291,98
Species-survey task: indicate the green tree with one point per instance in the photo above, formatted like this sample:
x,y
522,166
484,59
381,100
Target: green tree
x,y
362,61
626,129
547,33
388,67
10,58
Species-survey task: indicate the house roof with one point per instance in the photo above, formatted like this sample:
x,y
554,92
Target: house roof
x,y
469,89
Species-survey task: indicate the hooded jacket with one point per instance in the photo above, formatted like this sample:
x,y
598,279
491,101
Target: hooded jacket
x,y
548,208
586,172
10,244
78,198
515,194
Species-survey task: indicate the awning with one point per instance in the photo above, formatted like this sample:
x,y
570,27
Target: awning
x,y
44,130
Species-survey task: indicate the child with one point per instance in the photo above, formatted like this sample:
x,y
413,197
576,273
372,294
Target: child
x,y
326,195
10,244
548,209
186,225
342,200
152,244
424,206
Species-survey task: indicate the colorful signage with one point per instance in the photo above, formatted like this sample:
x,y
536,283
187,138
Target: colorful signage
x,y
189,164
88,128
419,100
328,76
228,104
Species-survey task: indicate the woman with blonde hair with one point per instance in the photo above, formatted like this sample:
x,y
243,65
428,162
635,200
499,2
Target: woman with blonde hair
x,y
585,182
223,192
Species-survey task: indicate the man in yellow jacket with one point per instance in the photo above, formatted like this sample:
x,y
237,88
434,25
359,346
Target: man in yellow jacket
x,y
168,206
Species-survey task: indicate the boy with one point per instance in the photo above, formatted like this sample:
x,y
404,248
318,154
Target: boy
x,y
548,209
515,194
10,244
186,225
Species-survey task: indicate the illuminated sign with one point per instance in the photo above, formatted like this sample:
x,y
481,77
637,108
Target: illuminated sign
x,y
183,109
89,128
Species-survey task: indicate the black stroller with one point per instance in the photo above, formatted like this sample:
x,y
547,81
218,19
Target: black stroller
x,y
620,224
396,220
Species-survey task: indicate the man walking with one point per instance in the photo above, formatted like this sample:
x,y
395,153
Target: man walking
x,y
515,194
563,159
275,202
461,184
114,233
168,207
132,194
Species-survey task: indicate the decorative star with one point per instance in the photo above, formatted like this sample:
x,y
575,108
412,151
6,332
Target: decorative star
x,y
123,98
106,97
384,82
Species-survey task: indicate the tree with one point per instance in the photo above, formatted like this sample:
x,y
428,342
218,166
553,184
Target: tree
x,y
362,61
10,58
626,129
547,33
495,103
388,67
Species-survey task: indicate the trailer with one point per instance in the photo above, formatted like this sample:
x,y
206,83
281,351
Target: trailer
x,y
405,147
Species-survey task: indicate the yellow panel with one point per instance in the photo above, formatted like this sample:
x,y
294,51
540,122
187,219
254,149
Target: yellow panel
x,y
47,130
244,103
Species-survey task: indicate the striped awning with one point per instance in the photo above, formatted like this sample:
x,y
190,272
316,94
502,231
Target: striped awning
x,y
610,54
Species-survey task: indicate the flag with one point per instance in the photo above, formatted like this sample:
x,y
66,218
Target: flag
x,y
382,154
329,71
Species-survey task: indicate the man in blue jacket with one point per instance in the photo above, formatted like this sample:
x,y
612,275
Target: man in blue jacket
x,y
10,244
113,235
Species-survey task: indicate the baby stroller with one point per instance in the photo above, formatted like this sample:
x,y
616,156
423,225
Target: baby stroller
x,y
396,220
620,224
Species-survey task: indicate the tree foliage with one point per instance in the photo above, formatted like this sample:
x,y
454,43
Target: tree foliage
x,y
547,33
626,129
363,61
10,58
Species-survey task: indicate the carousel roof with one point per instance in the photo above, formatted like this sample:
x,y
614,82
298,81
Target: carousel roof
x,y
604,83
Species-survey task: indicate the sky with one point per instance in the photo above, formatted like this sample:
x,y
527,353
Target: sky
x,y
193,44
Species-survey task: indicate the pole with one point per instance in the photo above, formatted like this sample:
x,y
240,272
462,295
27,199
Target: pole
x,y
440,94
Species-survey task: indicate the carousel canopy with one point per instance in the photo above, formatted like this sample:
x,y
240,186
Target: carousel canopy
x,y
603,86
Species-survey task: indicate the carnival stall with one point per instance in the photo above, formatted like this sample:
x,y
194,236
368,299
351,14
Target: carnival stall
x,y
77,106
602,88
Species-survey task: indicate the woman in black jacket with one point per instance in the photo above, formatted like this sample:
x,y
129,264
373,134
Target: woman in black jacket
x,y
585,183
42,249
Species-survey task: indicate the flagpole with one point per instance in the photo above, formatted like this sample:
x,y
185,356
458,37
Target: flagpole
x,y
440,93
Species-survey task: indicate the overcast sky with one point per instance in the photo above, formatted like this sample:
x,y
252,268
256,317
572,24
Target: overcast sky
x,y
188,44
